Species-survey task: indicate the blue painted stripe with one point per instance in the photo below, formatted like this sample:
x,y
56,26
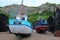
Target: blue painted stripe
x,y
23,24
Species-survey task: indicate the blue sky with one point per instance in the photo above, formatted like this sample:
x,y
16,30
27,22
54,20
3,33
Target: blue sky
x,y
27,2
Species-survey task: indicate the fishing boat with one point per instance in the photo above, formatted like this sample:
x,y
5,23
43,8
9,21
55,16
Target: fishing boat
x,y
20,25
41,26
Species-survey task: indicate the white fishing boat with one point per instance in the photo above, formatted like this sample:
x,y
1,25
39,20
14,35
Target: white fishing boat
x,y
20,25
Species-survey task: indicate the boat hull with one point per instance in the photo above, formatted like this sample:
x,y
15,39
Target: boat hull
x,y
41,28
20,29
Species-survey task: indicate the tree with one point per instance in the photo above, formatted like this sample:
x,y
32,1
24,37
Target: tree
x,y
7,14
33,17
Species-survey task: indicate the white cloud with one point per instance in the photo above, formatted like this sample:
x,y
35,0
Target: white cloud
x,y
27,2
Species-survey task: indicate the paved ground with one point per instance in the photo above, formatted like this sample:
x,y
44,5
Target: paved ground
x,y
34,36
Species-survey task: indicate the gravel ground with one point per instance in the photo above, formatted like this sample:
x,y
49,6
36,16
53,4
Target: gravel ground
x,y
37,36
7,36
34,36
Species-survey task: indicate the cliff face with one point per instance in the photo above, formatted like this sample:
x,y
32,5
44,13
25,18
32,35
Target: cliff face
x,y
28,10
16,9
